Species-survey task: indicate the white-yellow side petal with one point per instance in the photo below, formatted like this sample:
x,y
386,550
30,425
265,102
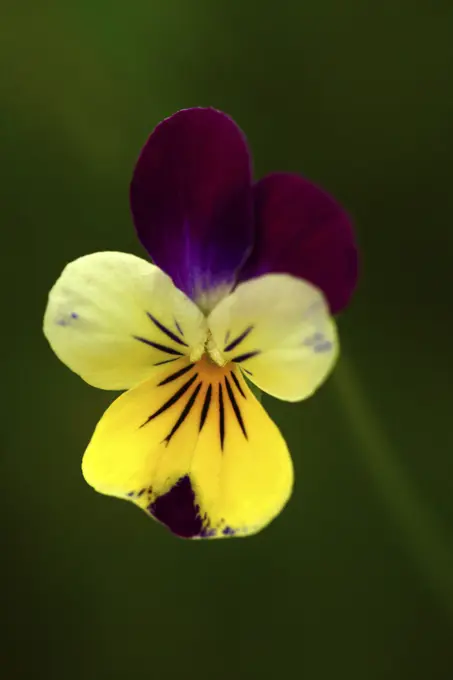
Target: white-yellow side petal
x,y
194,449
111,317
279,330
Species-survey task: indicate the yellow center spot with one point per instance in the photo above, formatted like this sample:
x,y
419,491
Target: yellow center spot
x,y
210,371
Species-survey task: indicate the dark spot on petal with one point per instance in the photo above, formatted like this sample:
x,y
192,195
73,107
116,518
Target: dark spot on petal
x,y
323,347
313,339
178,510
228,531
208,533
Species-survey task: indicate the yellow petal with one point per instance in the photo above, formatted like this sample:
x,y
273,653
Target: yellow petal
x,y
279,330
111,317
196,450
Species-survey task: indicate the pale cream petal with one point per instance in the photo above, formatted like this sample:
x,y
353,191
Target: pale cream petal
x,y
279,330
112,317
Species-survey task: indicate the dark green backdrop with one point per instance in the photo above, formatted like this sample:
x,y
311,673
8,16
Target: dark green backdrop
x,y
355,579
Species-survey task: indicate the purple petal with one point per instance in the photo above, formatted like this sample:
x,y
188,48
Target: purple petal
x,y
301,230
192,201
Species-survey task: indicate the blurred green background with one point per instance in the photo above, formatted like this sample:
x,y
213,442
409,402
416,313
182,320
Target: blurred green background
x,y
355,579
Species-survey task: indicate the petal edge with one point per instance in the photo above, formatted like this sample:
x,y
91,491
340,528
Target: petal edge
x,y
211,464
191,199
112,317
302,231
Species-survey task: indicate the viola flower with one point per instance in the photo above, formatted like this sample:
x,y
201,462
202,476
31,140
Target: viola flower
x,y
246,279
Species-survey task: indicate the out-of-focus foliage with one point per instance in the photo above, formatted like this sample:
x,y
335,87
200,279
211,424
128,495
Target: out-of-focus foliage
x,y
354,580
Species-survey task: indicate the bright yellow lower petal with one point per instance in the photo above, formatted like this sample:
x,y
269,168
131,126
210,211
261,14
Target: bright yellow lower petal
x,y
111,317
279,330
197,452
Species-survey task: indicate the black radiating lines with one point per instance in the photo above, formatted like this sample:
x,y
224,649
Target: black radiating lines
x,y
176,375
234,404
221,417
238,384
157,345
205,409
234,343
234,392
166,330
170,402
185,412
167,361
237,341
248,355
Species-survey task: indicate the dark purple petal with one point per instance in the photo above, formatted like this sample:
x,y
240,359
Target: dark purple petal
x,y
301,230
192,201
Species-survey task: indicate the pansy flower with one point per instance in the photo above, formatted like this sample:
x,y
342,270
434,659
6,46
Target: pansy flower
x,y
245,280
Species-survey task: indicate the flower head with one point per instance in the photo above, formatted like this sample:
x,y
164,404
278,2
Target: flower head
x,y
244,283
